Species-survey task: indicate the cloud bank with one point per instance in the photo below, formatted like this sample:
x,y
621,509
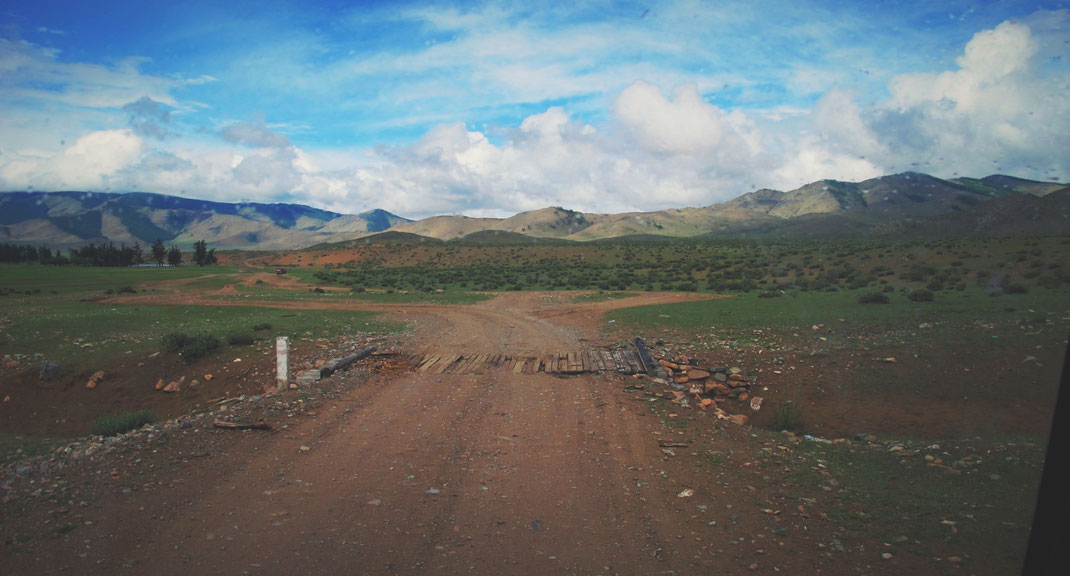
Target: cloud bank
x,y
999,106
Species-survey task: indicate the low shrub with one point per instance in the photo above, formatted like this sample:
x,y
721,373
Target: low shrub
x,y
200,346
873,298
262,326
114,424
920,295
1015,288
174,341
240,338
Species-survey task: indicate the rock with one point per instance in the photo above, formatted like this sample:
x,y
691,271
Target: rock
x,y
159,385
172,387
698,374
888,360
706,401
50,370
95,379
735,370
208,377
193,383
681,379
7,398
686,493
756,403
740,419
715,388
720,377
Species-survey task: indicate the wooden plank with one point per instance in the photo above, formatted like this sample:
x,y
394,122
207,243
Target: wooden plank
x,y
574,364
429,363
427,360
562,363
446,363
466,364
617,363
605,361
596,360
424,360
585,361
518,367
532,366
633,363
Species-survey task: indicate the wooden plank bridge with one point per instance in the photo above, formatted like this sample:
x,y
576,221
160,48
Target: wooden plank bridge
x,y
571,362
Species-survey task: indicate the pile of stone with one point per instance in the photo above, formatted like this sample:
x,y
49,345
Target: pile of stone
x,y
719,383
708,386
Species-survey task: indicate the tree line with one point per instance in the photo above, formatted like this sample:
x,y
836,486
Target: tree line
x,y
107,254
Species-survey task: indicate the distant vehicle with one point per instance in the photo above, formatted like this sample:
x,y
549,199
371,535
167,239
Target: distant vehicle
x,y
280,270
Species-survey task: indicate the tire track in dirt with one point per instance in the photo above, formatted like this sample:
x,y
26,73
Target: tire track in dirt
x,y
493,473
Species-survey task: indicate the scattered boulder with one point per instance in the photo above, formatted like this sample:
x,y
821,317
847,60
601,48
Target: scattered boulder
x,y
173,387
95,379
698,374
159,385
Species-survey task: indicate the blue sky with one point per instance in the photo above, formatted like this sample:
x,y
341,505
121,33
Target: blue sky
x,y
493,108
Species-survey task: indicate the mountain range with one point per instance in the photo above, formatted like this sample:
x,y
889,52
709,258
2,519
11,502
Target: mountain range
x,y
909,202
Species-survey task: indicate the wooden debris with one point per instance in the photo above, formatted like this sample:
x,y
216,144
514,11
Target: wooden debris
x,y
241,425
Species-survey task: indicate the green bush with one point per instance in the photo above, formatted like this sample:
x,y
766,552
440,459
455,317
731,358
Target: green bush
x,y
113,424
199,346
240,338
1015,288
920,296
174,341
873,298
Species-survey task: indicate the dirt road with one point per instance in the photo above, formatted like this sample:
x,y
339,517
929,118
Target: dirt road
x,y
491,473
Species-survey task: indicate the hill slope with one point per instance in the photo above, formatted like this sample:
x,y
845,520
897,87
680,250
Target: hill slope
x,y
879,205
63,219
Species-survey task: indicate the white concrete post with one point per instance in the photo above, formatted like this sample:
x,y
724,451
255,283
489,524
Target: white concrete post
x,y
282,349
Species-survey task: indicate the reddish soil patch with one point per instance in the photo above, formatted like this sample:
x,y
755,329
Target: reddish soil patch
x,y
400,472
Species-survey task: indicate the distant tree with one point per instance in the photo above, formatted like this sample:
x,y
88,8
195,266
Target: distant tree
x,y
159,252
200,252
139,254
174,255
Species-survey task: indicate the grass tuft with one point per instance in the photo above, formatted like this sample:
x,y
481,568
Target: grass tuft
x,y
114,424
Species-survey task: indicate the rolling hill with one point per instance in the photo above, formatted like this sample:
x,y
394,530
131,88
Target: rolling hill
x,y
920,203
66,219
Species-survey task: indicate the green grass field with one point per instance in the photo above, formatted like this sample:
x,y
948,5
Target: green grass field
x,y
801,310
60,319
